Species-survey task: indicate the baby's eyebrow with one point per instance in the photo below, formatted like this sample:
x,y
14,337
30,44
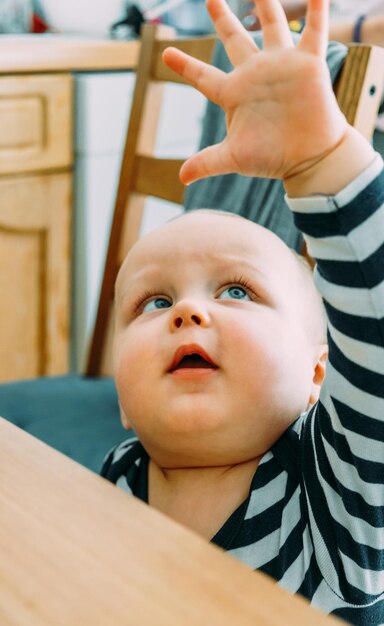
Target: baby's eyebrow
x,y
230,266
234,264
136,281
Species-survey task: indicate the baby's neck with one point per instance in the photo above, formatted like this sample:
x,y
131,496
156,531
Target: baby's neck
x,y
200,498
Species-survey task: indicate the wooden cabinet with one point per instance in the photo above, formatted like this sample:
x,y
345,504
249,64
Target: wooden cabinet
x,y
35,224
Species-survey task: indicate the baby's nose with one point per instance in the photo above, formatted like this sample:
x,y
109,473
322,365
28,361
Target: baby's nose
x,y
178,321
189,314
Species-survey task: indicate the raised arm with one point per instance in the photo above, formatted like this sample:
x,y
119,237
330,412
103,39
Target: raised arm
x,y
283,120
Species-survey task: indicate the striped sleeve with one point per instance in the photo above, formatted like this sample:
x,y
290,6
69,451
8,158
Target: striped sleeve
x,y
342,440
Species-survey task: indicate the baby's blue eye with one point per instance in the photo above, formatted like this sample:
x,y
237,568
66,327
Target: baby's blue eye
x,y
157,303
234,293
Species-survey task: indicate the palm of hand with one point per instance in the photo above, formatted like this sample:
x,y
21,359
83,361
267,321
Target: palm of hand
x,y
268,114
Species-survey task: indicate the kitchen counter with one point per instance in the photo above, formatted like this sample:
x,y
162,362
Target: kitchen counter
x,y
56,53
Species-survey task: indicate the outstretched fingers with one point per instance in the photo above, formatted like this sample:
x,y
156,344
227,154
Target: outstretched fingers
x,y
206,78
314,38
274,24
237,41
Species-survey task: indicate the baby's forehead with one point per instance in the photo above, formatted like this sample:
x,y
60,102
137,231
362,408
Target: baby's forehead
x,y
204,236
209,231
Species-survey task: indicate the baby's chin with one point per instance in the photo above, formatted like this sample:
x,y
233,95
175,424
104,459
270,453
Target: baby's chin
x,y
201,456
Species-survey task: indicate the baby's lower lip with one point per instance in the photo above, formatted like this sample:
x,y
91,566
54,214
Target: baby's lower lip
x,y
193,372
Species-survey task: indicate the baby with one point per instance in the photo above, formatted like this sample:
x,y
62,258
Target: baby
x,y
219,345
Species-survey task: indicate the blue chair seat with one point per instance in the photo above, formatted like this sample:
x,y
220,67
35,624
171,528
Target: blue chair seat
x,y
76,415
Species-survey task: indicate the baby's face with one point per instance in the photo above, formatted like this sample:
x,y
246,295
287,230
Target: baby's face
x,y
212,359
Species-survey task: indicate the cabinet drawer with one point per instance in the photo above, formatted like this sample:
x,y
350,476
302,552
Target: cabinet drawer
x,y
35,123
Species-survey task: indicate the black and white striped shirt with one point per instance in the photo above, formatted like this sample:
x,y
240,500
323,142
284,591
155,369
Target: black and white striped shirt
x,y
314,518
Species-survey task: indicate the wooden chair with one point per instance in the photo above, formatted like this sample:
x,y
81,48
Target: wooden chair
x,y
358,92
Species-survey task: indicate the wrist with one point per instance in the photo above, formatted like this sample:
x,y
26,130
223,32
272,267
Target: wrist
x,y
335,170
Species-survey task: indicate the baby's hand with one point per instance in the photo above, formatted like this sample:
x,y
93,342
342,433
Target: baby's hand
x,y
282,116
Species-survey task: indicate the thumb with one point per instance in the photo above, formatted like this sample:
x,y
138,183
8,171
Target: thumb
x,y
211,161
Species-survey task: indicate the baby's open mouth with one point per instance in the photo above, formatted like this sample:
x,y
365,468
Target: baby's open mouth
x,y
191,357
194,361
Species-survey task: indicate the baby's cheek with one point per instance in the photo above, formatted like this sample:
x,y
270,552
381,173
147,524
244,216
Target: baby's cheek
x,y
255,344
129,389
261,362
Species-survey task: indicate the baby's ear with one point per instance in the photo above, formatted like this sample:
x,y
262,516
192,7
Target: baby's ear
x,y
124,419
318,373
